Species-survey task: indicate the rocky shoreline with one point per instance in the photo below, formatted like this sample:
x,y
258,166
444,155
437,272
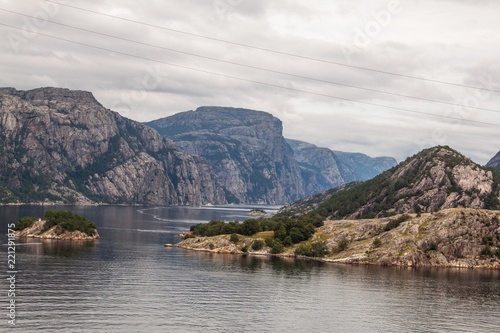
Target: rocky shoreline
x,y
464,238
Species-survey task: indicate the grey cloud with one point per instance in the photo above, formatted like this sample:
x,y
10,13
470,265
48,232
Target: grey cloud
x,y
442,40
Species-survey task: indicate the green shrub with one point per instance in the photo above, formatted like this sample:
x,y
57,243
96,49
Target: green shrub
x,y
377,242
280,233
304,249
317,249
277,247
342,245
432,246
488,240
25,222
211,246
258,244
250,227
486,251
234,238
396,222
244,249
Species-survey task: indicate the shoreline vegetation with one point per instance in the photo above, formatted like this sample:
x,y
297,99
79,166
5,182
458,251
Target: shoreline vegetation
x,y
59,225
456,237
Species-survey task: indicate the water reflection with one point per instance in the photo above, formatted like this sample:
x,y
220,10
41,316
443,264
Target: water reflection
x,y
127,281
61,248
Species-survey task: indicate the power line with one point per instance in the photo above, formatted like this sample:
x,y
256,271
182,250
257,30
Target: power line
x,y
275,51
256,67
252,81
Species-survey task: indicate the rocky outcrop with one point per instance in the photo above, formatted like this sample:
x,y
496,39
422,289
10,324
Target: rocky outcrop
x,y
449,238
323,169
246,149
62,146
56,232
494,162
434,179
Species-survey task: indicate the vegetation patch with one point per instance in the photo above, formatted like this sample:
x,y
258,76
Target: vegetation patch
x,y
432,247
377,242
234,238
25,222
258,245
317,249
396,222
283,228
342,245
486,251
278,247
68,221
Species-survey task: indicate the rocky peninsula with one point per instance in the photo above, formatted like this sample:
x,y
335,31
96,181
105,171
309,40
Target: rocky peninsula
x,y
460,237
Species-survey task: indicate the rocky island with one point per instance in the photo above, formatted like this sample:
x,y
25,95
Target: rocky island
x,y
60,225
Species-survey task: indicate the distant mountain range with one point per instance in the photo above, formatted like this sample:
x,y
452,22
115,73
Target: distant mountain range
x,y
248,152
62,146
322,168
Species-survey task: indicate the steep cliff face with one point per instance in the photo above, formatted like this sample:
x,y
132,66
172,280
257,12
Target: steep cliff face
x,y
246,148
494,162
323,168
63,146
435,179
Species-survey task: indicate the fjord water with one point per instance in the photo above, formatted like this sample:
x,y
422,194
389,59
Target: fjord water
x,y
128,282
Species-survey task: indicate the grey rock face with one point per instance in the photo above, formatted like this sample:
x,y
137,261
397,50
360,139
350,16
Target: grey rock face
x,y
246,148
63,146
494,162
434,179
442,178
323,168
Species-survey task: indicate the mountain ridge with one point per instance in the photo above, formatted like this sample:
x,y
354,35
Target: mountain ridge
x,y
246,148
434,179
255,162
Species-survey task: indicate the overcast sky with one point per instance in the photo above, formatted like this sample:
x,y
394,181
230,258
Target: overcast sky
x,y
144,72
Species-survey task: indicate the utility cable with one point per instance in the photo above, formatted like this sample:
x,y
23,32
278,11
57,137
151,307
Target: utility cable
x,y
251,81
274,51
257,68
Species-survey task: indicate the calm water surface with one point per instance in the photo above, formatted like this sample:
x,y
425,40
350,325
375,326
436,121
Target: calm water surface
x,y
128,282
